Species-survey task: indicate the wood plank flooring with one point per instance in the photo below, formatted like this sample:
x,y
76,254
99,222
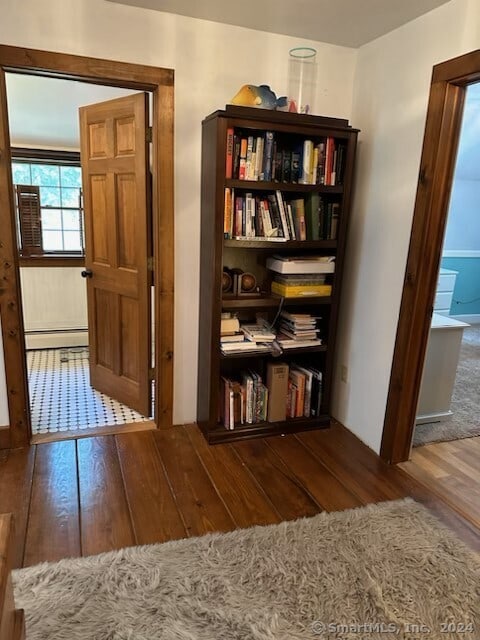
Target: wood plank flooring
x,y
451,470
81,497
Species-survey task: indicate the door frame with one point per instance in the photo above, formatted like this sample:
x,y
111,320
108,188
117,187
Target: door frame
x,y
160,82
444,116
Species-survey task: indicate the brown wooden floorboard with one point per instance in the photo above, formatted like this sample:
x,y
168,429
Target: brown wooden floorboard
x,y
364,478
161,485
105,517
328,492
53,525
197,499
16,471
289,497
244,498
155,517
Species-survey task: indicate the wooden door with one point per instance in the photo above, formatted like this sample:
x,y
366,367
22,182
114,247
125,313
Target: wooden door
x,y
114,158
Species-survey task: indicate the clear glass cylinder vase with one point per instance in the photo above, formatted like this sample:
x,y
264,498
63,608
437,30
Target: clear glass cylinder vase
x,y
302,77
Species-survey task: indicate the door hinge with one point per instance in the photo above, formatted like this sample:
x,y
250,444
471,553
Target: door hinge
x,y
150,263
151,374
149,134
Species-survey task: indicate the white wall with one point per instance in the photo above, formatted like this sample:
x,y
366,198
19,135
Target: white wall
x,y
391,90
463,225
211,62
53,298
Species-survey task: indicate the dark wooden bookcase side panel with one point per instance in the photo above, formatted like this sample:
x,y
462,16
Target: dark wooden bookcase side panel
x,y
211,363
211,254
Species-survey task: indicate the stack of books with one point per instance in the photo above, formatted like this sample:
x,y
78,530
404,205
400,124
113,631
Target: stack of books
x,y
301,265
230,329
243,402
299,286
301,276
257,333
252,338
298,330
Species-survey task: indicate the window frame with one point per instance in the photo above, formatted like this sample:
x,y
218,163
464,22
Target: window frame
x,y
59,158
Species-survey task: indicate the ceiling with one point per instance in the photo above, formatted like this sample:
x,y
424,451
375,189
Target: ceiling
x,y
43,112
349,23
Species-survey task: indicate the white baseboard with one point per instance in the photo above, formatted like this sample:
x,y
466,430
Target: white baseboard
x,y
469,319
56,339
433,417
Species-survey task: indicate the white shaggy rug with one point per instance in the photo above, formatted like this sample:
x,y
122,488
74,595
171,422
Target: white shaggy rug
x,y
391,564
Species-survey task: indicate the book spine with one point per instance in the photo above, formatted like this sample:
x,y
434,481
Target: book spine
x,y
333,179
277,166
277,222
312,217
243,159
236,156
320,179
283,215
296,166
307,162
330,148
228,214
249,216
291,222
258,159
301,396
314,166
229,158
268,154
248,160
267,223
334,221
340,163
286,166
237,225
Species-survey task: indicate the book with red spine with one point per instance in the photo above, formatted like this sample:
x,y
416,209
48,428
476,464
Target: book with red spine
x,y
229,156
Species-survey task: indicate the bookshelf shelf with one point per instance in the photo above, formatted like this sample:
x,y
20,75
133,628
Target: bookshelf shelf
x,y
262,185
272,302
277,247
323,209
268,354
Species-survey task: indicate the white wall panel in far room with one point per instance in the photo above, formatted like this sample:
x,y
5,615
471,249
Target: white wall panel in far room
x,y
53,298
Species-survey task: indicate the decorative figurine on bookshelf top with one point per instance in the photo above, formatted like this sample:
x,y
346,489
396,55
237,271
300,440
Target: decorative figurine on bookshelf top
x,y
261,97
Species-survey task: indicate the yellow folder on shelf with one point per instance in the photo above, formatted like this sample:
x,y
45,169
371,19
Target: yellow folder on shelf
x,y
300,291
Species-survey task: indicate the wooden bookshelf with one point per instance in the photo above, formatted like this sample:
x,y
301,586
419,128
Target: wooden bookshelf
x,y
219,251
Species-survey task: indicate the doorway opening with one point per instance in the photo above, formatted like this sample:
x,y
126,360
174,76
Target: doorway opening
x,y
450,82
47,169
449,403
119,270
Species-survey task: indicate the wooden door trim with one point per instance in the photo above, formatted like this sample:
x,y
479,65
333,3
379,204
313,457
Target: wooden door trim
x,y
107,72
444,116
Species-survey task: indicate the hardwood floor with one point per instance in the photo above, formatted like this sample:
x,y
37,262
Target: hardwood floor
x,y
81,497
452,471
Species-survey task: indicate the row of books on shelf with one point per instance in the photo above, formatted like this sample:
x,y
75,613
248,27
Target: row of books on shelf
x,y
294,331
290,391
273,217
266,157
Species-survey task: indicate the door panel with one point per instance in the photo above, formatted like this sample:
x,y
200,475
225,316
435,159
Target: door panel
x,y
115,172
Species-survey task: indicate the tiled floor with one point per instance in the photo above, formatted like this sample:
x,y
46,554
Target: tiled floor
x,y
61,398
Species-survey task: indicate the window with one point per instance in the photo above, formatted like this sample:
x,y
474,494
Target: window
x,y
57,179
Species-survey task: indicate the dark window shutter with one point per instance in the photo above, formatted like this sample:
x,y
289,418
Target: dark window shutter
x,y
29,215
